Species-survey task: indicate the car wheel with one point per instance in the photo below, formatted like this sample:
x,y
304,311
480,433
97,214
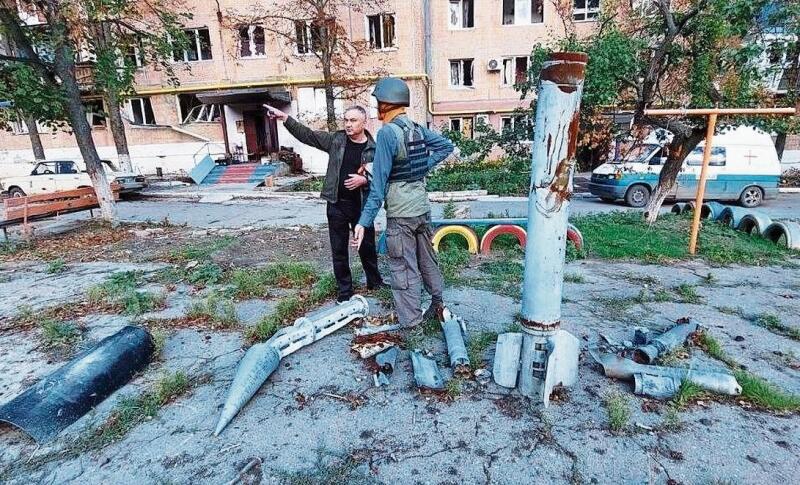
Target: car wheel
x,y
637,195
16,192
751,196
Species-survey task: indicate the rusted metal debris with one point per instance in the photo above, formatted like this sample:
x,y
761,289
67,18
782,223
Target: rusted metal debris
x,y
669,340
454,330
426,372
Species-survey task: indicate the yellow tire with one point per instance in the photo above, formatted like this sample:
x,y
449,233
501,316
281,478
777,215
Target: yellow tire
x,y
466,232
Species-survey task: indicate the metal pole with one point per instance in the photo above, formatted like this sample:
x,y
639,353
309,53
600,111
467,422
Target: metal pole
x,y
701,186
550,355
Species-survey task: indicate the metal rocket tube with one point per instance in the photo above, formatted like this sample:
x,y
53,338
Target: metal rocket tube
x,y
549,355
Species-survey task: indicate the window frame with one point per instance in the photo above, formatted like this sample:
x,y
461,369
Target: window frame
x,y
590,14
308,38
252,45
208,109
462,125
698,161
461,4
141,101
514,60
91,116
194,35
461,73
382,34
513,22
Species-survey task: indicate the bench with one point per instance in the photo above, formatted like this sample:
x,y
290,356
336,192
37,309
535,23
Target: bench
x,y
22,210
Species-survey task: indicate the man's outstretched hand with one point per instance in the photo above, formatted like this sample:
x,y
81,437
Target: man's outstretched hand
x,y
358,236
276,113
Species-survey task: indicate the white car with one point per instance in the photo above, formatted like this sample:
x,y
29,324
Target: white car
x,y
61,175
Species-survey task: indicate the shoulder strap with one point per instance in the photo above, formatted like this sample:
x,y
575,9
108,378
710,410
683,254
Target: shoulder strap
x,y
401,139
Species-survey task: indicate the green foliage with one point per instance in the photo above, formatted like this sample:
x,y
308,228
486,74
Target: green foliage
x,y
688,293
207,273
773,323
476,347
56,266
451,261
120,290
219,312
509,176
449,210
688,392
762,393
624,235
256,282
201,251
617,410
59,334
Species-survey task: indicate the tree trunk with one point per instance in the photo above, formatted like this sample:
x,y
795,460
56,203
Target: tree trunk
x,y
118,131
64,66
780,144
678,150
330,107
36,140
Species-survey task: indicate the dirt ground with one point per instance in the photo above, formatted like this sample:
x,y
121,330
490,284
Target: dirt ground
x,y
319,418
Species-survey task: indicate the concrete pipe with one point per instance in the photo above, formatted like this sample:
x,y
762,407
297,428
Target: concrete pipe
x,y
711,211
467,232
732,216
492,233
574,235
678,208
784,232
754,223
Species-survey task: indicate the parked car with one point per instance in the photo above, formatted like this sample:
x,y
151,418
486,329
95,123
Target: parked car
x,y
744,167
60,175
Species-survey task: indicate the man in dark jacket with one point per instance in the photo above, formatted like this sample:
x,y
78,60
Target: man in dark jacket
x,y
345,189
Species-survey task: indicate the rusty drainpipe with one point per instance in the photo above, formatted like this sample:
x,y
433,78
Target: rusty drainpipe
x,y
549,355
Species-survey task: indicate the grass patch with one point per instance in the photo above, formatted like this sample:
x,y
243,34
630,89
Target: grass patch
x,y
313,184
59,334
672,418
729,310
626,235
688,392
454,388
674,358
451,261
159,341
574,278
503,277
56,266
256,282
754,388
476,347
132,411
762,393
200,251
617,410
414,339
774,324
215,311
688,294
385,296
120,291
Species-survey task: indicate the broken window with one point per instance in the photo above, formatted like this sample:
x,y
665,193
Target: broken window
x,y
463,125
461,73
191,110
586,9
462,14
140,111
523,12
308,36
95,114
515,70
198,47
134,55
251,41
381,31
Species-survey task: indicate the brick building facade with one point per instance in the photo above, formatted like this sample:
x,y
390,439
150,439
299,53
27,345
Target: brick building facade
x,y
461,58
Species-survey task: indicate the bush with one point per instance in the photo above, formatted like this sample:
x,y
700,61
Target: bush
x,y
508,176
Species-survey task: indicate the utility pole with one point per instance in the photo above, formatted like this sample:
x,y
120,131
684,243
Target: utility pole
x,y
550,355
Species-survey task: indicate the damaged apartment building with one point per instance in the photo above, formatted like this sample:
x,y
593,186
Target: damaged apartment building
x,y
460,57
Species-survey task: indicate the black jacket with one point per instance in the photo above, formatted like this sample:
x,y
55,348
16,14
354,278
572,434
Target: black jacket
x,y
334,144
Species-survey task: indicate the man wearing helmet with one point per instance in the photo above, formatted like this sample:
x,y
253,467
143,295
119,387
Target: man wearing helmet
x,y
404,153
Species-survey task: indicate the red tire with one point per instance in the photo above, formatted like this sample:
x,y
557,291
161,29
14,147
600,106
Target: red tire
x,y
494,231
574,235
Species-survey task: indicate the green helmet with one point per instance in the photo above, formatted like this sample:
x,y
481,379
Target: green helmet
x,y
392,90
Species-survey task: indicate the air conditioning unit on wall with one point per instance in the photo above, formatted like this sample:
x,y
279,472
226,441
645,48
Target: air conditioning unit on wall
x,y
493,65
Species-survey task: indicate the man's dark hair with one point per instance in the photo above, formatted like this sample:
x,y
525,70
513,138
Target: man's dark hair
x,y
358,108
